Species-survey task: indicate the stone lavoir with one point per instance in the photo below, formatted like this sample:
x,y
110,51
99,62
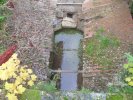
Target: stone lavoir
x,y
37,21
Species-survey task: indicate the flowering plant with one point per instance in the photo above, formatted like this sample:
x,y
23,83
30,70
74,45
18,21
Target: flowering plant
x,y
129,68
15,77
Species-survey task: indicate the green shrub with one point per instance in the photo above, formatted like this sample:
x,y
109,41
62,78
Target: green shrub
x,y
2,2
120,89
129,68
115,97
45,86
30,95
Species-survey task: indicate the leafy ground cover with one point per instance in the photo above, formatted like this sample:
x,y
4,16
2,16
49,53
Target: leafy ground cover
x,y
103,50
5,37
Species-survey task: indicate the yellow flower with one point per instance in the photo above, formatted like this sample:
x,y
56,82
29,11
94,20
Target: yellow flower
x,y
9,86
17,62
29,71
4,65
128,79
18,81
30,83
22,70
14,56
11,71
11,96
33,77
4,75
1,71
21,89
15,91
24,76
130,83
14,75
18,75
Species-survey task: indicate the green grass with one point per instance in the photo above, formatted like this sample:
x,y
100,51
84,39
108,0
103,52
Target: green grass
x,y
98,46
2,2
120,90
47,87
30,95
115,97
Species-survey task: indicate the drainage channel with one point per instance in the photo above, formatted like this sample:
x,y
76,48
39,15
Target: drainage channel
x,y
67,57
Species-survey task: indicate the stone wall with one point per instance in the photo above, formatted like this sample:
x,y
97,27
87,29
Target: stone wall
x,y
65,7
113,15
115,18
70,1
34,32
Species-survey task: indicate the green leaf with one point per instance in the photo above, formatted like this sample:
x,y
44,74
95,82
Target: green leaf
x,y
128,79
3,1
130,83
130,64
65,98
2,18
45,86
130,70
129,57
125,66
30,95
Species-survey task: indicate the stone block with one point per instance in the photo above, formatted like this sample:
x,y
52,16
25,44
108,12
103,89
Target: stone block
x,y
68,23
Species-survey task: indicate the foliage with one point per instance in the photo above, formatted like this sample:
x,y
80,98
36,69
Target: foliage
x,y
129,69
4,14
47,87
98,48
15,77
2,2
2,48
101,42
120,89
115,97
84,90
131,6
2,18
30,95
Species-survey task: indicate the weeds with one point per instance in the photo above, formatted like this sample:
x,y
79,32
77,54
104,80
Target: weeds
x,y
98,48
47,87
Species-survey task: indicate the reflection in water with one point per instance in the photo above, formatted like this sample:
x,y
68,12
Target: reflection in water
x,y
70,58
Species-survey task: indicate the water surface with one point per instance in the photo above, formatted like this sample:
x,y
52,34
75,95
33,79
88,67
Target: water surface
x,y
70,58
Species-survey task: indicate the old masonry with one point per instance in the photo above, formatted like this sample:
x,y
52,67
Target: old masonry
x,y
36,21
